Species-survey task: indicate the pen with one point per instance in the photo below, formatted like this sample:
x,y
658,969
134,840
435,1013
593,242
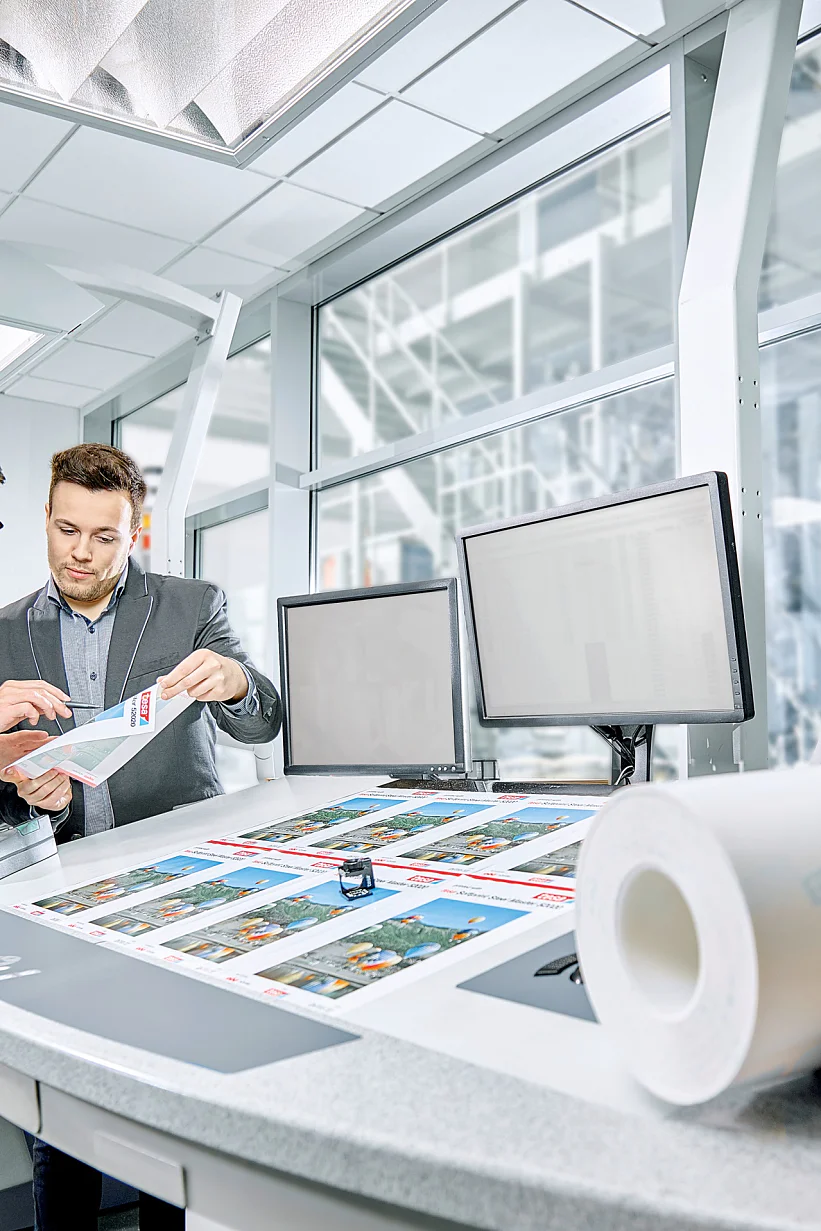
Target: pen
x,y
79,705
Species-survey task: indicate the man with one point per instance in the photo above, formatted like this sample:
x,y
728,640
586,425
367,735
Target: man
x,y
99,631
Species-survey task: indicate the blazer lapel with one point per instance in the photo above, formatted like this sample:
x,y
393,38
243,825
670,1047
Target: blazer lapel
x,y
133,613
47,651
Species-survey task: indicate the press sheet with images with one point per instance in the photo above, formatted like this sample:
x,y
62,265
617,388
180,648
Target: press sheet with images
x,y
91,753
261,911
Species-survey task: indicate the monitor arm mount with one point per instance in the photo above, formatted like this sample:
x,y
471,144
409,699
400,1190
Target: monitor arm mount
x,y
632,751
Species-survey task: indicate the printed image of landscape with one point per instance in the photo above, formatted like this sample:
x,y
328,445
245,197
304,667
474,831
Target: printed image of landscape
x,y
229,938
125,884
358,961
196,900
562,862
394,828
492,837
320,818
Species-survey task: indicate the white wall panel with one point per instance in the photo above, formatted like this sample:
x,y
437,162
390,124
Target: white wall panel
x,y
384,154
207,271
347,106
129,328
26,139
284,224
523,60
98,367
29,433
53,391
433,38
38,223
143,185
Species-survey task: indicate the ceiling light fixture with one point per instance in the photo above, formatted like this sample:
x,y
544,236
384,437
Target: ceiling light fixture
x,y
14,342
217,75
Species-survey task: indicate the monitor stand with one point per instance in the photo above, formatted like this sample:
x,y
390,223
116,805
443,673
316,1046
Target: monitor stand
x,y
632,752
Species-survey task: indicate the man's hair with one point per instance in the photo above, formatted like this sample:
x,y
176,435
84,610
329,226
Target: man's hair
x,y
100,468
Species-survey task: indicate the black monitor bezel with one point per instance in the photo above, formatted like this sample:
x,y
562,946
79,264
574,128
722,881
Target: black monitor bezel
x,y
718,487
407,769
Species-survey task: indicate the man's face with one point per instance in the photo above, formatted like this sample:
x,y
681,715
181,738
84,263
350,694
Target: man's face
x,y
89,540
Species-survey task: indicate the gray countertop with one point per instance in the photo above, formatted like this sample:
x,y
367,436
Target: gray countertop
x,y
391,1120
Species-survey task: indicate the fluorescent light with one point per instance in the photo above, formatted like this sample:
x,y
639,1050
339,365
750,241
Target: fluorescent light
x,y
14,342
209,72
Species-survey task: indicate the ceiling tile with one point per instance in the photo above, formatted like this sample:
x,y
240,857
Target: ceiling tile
x,y
433,38
638,16
528,56
138,330
347,106
26,139
395,147
283,225
54,391
144,185
81,364
32,222
207,271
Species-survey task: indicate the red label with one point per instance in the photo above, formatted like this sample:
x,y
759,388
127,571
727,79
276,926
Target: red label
x,y
145,706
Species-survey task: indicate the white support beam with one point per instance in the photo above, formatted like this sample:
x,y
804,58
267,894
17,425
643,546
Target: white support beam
x,y
718,368
187,440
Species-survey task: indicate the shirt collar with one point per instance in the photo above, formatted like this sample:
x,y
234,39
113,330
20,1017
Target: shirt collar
x,y
54,595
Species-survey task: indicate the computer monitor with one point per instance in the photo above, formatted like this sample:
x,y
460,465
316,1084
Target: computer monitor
x,y
371,681
620,610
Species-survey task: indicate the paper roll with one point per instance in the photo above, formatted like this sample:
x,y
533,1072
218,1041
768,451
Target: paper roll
x,y
699,929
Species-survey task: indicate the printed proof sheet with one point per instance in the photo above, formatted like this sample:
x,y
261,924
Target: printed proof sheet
x,y
262,911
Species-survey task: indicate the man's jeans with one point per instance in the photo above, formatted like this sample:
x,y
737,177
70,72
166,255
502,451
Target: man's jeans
x,y
67,1196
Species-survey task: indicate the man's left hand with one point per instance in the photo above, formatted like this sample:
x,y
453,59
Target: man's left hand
x,y
206,676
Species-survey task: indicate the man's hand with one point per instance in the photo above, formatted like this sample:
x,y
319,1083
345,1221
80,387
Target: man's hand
x,y
19,744
21,699
206,676
50,792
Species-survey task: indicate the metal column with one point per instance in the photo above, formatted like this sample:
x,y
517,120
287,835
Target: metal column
x,y
718,367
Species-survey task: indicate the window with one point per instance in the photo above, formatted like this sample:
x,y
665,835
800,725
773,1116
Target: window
x,y
234,555
791,400
236,449
792,263
398,525
571,277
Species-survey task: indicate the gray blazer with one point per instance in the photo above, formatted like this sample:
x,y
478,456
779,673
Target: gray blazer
x,y
160,620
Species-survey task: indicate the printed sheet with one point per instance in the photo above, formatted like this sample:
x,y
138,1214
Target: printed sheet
x,y
262,911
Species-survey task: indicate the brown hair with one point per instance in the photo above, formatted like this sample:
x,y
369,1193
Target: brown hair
x,y
100,468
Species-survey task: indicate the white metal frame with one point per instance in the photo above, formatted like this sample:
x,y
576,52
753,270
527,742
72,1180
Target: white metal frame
x,y
718,363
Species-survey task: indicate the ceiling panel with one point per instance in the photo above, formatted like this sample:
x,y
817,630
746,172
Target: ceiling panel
x,y
433,38
81,364
640,16
33,222
26,138
524,59
138,330
207,271
347,106
393,148
283,225
55,391
144,185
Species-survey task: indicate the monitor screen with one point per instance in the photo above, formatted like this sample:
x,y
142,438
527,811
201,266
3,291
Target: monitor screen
x,y
371,680
624,609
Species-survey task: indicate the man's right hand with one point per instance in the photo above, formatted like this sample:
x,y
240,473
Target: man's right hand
x,y
30,699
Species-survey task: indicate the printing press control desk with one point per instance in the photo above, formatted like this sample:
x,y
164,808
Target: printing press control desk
x,y
432,1107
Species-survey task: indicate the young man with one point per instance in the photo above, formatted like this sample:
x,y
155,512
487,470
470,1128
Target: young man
x,y
98,631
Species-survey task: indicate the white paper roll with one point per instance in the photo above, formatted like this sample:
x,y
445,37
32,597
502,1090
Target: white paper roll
x,y
699,929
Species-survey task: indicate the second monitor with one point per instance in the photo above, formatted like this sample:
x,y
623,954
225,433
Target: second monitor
x,y
371,681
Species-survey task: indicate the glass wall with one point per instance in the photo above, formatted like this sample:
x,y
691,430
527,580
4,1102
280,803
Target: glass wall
x,y
236,449
399,525
567,279
234,555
